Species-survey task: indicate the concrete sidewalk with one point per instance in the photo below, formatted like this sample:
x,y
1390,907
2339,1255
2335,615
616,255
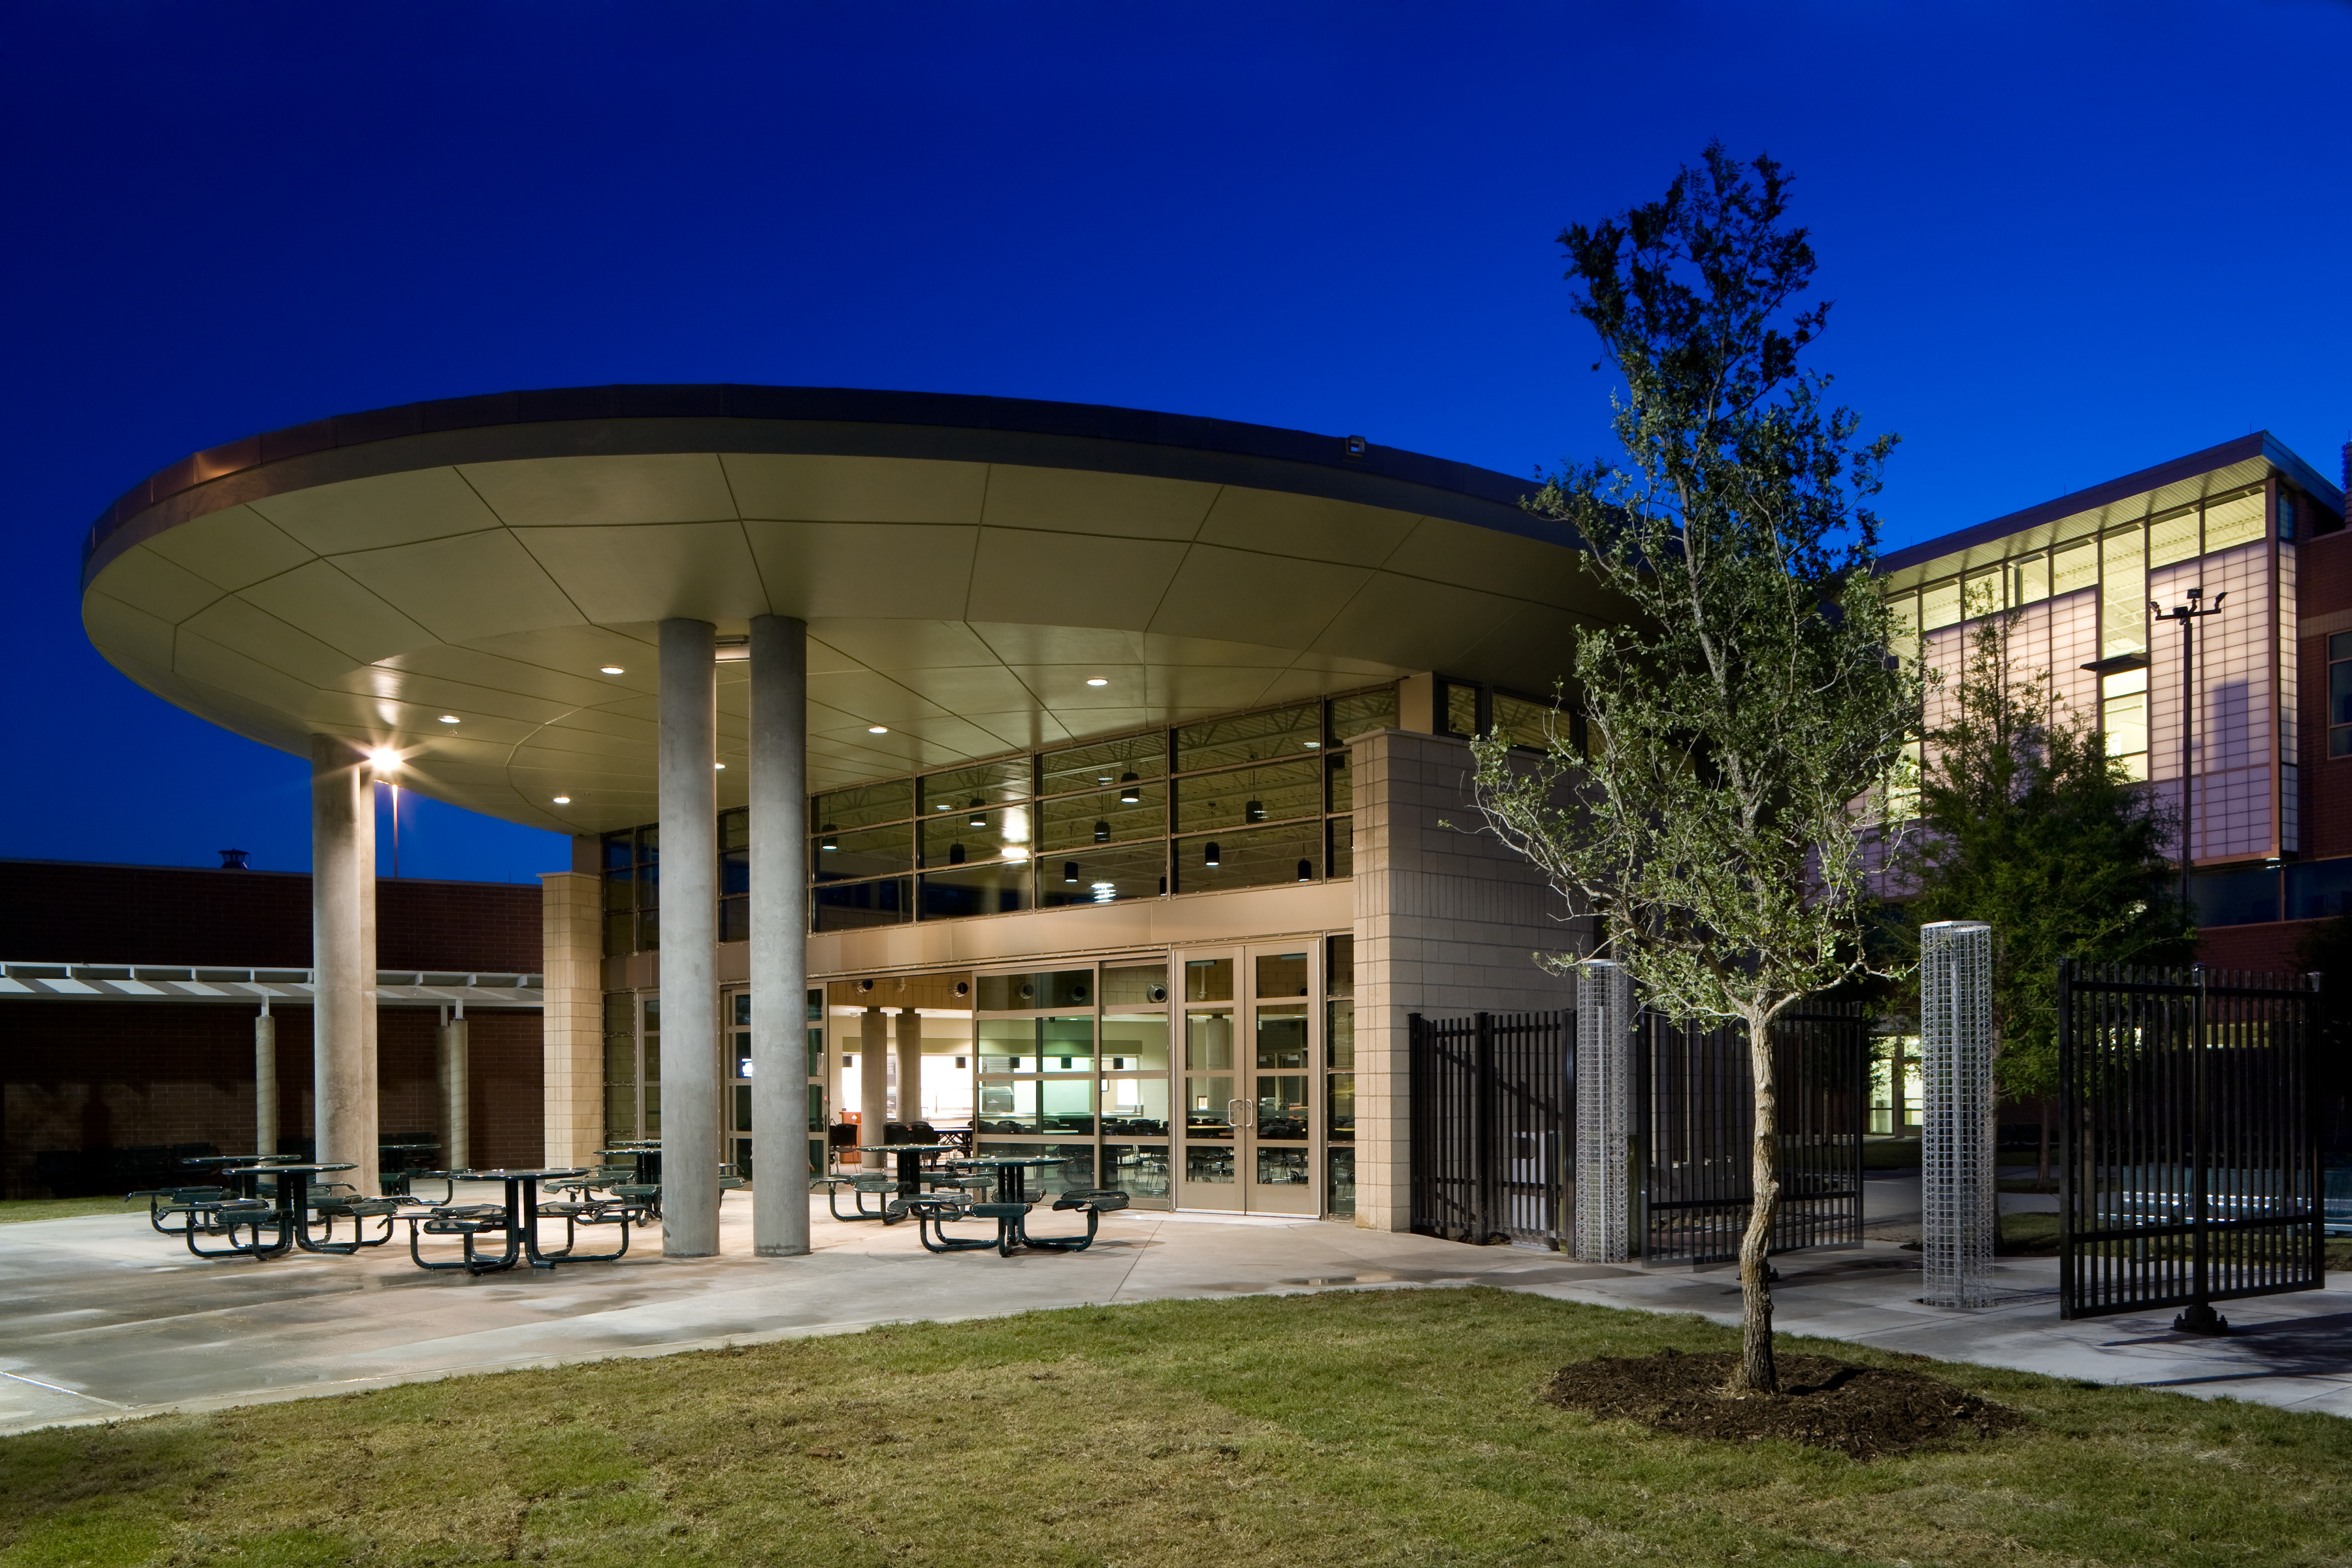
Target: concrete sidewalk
x,y
101,1319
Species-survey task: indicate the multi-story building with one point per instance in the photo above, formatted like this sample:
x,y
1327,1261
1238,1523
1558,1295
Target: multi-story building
x,y
2248,524
1117,760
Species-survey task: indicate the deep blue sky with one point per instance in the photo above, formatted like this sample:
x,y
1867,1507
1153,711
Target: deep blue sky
x,y
2065,242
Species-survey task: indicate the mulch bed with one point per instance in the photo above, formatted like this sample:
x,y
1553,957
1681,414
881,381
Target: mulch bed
x,y
1862,1411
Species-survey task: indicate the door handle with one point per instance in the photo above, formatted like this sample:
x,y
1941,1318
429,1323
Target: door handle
x,y
1242,1122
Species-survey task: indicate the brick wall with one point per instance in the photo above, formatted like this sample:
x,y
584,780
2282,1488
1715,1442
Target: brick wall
x,y
100,1074
78,1075
169,914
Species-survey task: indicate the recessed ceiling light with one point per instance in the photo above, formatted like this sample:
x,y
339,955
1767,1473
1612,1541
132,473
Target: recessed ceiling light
x,y
1097,680
614,670
877,729
563,799
449,717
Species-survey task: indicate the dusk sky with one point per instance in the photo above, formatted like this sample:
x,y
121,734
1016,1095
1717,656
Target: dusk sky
x,y
2065,242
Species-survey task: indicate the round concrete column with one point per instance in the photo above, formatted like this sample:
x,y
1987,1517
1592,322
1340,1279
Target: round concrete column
x,y
873,1081
343,1121
453,1068
265,1083
371,1012
780,1210
689,937
910,1065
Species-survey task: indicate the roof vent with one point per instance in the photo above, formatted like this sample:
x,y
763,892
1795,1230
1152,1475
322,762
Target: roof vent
x,y
1355,446
234,861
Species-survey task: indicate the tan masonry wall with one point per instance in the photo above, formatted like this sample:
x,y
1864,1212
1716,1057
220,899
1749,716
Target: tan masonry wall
x,y
1447,922
572,1036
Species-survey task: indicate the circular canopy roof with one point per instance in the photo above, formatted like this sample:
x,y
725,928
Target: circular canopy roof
x,y
966,566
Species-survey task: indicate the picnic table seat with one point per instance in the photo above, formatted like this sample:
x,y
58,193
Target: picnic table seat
x,y
332,1204
577,1212
158,1198
468,1221
935,1211
1092,1202
879,1184
226,1217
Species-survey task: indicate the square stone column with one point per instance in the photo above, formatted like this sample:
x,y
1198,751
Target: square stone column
x,y
572,1027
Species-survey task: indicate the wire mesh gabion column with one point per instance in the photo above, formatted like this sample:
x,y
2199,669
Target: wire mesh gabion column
x,y
1605,1109
1959,1211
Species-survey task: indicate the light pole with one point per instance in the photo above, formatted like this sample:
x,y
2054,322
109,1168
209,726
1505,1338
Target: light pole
x,y
2198,1317
2187,615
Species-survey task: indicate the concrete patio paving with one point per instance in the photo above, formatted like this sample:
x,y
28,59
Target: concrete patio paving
x,y
100,1319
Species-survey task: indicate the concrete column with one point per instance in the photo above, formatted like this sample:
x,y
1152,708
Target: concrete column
x,y
873,1080
572,1027
779,956
452,1062
343,1103
689,939
910,1065
265,1083
371,1011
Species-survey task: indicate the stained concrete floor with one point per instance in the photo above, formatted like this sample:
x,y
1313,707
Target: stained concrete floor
x,y
100,1319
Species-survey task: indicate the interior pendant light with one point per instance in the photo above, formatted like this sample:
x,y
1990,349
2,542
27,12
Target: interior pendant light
x,y
829,839
1069,871
955,853
1128,794
1209,855
1306,871
978,818
1102,832
1253,812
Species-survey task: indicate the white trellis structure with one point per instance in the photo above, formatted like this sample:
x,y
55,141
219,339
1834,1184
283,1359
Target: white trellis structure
x,y
1604,1110
1959,1209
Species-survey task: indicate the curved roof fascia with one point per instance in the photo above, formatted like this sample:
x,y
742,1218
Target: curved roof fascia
x,y
476,583
626,420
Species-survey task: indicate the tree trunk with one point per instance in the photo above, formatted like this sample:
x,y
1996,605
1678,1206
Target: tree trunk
x,y
1757,1374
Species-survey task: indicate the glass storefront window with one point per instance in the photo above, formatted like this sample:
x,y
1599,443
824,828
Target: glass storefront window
x,y
1281,974
1102,876
1138,1170
2029,580
1363,711
1249,857
1135,984
995,888
2074,568
1246,797
1250,738
852,906
2174,538
976,835
1103,817
1209,1040
2232,522
1102,764
1208,980
1040,991
2123,716
2123,592
1939,605
2340,695
1005,779
840,855
843,810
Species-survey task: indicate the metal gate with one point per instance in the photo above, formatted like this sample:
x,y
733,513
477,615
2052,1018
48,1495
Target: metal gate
x,y
2190,1138
1492,1113
1696,1126
1490,1124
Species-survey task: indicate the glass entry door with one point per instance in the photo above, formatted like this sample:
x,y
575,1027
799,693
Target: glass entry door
x,y
735,1074
1250,1119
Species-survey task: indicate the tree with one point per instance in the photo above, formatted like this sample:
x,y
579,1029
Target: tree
x,y
1738,715
2025,821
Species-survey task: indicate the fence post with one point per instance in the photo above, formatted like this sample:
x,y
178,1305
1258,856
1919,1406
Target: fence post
x,y
1485,1109
2068,1140
2198,1317
1958,1206
1605,1075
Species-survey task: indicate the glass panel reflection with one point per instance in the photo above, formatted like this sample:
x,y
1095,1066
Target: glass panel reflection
x,y
868,804
1138,1170
1212,1166
1046,988
1134,984
1208,1105
1250,857
1281,1167
996,889
1364,712
1209,1040
1281,1106
1281,974
1246,797
1282,1036
1106,763
1080,820
1135,1107
1208,980
1342,1129
1035,1105
1250,737
869,852
1102,876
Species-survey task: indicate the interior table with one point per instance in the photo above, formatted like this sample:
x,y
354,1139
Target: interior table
x,y
911,1161
1013,1169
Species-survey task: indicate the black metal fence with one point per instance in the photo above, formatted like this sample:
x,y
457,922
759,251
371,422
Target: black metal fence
x,y
2190,1138
1700,1102
1493,1119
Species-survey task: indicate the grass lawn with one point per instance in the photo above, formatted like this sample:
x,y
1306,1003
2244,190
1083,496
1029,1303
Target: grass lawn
x,y
1341,1428
14,1209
